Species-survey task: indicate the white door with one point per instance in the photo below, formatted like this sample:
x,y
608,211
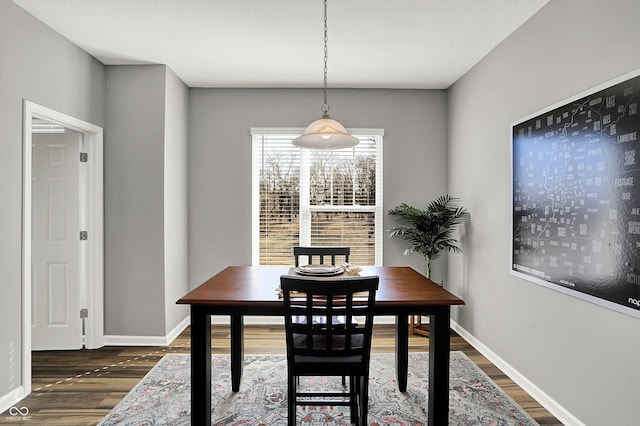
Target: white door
x,y
55,313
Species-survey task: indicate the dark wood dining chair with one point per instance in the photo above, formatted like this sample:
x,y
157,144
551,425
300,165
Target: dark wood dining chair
x,y
320,253
324,349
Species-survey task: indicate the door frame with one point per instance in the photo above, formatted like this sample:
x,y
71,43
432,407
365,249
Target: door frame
x,y
91,213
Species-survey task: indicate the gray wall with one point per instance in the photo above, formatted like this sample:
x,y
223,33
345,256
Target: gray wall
x,y
145,200
176,266
134,200
38,65
582,355
414,158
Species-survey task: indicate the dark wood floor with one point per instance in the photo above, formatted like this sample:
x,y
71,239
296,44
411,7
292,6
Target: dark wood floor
x,y
81,387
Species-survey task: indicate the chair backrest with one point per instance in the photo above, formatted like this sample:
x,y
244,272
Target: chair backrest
x,y
321,252
311,308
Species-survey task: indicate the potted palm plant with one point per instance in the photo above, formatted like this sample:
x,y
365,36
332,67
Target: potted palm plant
x,y
430,231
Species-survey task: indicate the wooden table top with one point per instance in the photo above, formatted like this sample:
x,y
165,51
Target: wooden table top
x,y
255,288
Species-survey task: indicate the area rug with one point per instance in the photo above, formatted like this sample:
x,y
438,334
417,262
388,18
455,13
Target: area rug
x,y
163,395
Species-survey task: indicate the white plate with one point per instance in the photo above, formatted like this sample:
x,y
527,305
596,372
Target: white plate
x,y
319,270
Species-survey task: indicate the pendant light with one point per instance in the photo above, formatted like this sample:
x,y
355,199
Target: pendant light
x,y
325,133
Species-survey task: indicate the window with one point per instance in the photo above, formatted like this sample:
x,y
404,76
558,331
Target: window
x,y
316,198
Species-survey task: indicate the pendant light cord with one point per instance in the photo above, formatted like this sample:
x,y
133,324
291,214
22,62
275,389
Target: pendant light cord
x,y
325,106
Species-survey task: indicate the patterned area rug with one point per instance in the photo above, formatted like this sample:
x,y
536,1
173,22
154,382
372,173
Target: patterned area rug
x,y
163,397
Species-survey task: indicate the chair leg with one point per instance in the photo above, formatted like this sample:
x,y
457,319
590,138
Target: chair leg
x,y
291,400
353,399
364,399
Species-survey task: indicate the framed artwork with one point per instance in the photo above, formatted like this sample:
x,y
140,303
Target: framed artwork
x,y
576,196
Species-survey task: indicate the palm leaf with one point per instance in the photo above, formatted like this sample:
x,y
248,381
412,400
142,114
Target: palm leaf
x,y
430,231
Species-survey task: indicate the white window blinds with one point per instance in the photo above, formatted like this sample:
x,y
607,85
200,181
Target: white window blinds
x,y
316,198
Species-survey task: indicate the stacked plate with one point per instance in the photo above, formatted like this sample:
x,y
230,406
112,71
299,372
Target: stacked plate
x,y
319,270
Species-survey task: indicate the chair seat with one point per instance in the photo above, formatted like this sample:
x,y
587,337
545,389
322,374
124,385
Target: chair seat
x,y
320,342
345,360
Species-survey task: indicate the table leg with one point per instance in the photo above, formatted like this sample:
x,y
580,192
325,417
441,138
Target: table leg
x,y
402,351
237,350
439,346
200,366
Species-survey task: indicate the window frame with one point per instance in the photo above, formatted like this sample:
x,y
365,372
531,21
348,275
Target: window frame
x,y
256,146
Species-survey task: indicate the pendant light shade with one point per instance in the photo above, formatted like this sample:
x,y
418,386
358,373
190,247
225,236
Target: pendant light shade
x,y
325,133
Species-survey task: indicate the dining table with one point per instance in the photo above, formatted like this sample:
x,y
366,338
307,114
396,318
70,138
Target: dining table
x,y
238,291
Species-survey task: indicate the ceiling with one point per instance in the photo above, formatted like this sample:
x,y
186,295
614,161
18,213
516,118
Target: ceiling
x,y
424,44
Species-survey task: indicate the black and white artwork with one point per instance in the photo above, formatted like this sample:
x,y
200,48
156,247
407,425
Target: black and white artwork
x,y
576,196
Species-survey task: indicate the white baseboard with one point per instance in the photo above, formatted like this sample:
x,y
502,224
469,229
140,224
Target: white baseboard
x,y
120,340
12,399
178,329
538,394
